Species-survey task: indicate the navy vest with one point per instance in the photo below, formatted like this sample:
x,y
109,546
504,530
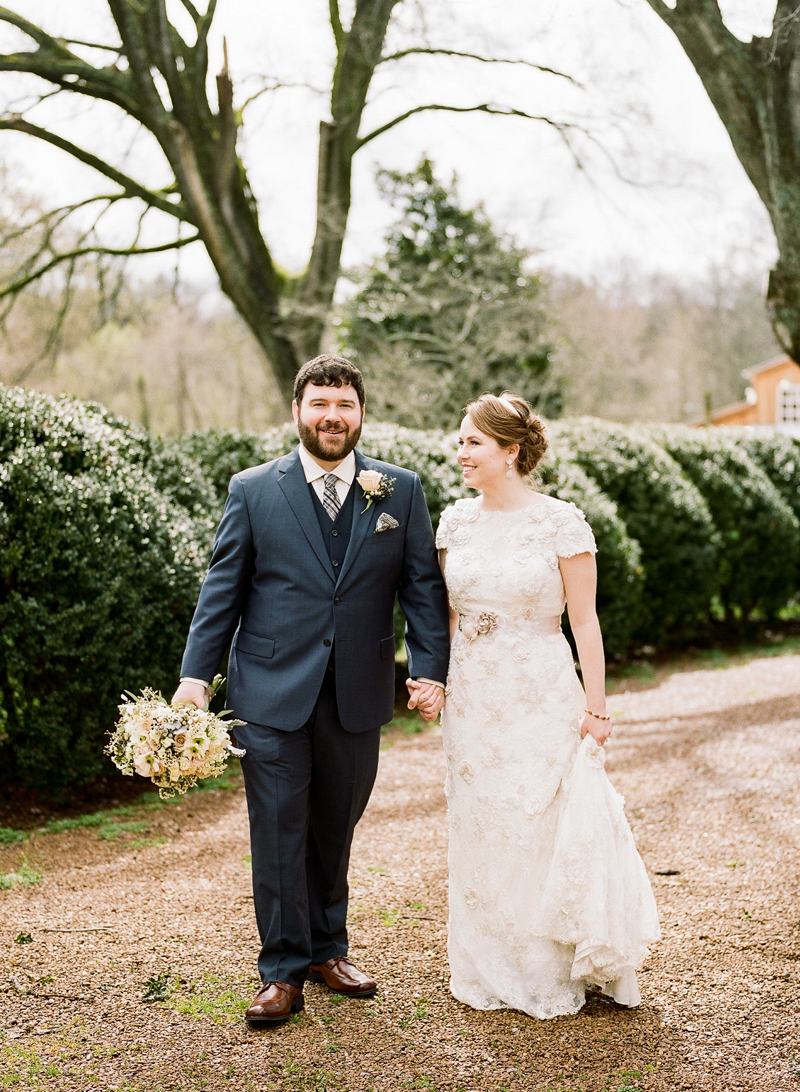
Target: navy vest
x,y
336,532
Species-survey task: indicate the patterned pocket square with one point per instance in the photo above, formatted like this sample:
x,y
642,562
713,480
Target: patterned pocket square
x,y
385,522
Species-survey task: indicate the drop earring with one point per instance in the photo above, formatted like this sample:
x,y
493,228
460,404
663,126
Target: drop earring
x,y
509,464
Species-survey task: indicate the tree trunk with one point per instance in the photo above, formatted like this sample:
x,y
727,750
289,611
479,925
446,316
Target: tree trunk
x,y
755,89
358,53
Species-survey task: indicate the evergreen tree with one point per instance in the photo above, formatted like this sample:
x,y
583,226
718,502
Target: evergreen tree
x,y
448,312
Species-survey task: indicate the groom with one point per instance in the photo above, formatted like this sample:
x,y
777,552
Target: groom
x,y
309,555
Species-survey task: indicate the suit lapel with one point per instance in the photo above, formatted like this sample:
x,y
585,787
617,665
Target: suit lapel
x,y
295,488
362,521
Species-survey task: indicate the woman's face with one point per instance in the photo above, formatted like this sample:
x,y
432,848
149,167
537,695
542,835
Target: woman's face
x,y
482,460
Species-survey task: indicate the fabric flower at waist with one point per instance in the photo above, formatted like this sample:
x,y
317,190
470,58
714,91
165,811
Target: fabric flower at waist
x,y
479,625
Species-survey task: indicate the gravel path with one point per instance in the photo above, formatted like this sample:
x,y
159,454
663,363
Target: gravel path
x,y
710,767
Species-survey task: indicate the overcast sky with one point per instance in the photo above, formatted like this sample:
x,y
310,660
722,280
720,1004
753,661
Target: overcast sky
x,y
692,206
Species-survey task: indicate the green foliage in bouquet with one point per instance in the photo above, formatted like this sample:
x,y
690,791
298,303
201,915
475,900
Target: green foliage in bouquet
x,y
759,532
100,566
665,513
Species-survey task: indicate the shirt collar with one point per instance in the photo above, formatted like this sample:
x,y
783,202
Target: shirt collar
x,y
346,470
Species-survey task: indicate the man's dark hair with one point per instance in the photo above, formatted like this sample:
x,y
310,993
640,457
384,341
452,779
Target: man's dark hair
x,y
329,371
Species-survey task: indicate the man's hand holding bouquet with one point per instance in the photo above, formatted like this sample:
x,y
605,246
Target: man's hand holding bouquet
x,y
174,745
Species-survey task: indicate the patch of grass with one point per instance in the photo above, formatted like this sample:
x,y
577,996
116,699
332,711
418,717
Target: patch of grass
x,y
23,1064
641,670
713,657
157,987
24,878
95,819
145,843
416,905
220,1001
389,917
8,836
405,723
23,938
247,861
377,870
109,832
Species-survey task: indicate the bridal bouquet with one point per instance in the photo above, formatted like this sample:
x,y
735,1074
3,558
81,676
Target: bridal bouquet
x,y
174,745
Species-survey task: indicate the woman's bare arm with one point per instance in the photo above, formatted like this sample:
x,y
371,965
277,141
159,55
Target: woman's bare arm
x,y
579,574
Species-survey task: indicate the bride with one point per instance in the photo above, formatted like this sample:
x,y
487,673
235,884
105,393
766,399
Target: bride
x,y
548,895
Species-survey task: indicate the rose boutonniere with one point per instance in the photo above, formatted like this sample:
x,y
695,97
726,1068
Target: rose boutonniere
x,y
375,485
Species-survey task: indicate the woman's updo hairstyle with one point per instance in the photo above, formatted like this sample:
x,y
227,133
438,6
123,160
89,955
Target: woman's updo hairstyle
x,y
510,420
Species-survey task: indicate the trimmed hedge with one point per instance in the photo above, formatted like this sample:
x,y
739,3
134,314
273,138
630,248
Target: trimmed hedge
x,y
100,568
665,514
759,532
619,566
224,452
105,532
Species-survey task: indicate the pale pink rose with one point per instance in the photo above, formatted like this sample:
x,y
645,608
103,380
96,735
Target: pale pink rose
x,y
369,480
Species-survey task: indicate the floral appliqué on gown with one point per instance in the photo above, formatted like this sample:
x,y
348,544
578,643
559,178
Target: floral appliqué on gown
x,y
548,894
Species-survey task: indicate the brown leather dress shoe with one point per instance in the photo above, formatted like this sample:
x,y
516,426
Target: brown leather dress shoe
x,y
275,1001
343,976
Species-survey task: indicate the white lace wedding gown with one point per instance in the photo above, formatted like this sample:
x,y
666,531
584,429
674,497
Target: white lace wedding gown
x,y
547,891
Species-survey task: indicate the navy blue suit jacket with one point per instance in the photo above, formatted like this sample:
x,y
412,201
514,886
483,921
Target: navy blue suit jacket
x,y
272,588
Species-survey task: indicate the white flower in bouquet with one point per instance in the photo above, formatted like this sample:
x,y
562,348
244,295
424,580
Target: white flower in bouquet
x,y
174,745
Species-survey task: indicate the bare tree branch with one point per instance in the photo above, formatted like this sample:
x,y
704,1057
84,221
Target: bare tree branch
x,y
272,83
477,57
82,252
57,64
60,214
483,108
195,14
94,45
339,35
131,187
53,339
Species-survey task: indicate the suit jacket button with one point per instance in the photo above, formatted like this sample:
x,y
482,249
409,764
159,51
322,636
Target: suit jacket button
x,y
335,564
327,643
336,602
334,532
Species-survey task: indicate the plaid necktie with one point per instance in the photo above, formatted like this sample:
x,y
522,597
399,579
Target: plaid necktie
x,y
330,498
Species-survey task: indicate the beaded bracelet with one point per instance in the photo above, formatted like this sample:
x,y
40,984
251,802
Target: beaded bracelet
x,y
598,716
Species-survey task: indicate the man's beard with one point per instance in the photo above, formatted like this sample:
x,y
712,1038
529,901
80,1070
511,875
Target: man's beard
x,y
325,446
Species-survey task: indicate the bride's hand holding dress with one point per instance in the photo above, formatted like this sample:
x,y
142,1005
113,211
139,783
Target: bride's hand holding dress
x,y
579,575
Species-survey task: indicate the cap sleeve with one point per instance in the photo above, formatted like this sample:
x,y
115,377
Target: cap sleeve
x,y
446,524
574,535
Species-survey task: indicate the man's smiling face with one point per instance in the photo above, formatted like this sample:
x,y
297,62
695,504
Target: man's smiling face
x,y
328,421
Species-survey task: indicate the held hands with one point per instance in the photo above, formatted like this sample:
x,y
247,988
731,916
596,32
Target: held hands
x,y
428,698
598,729
193,693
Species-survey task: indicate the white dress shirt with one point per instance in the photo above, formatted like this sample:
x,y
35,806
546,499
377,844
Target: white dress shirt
x,y
315,474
